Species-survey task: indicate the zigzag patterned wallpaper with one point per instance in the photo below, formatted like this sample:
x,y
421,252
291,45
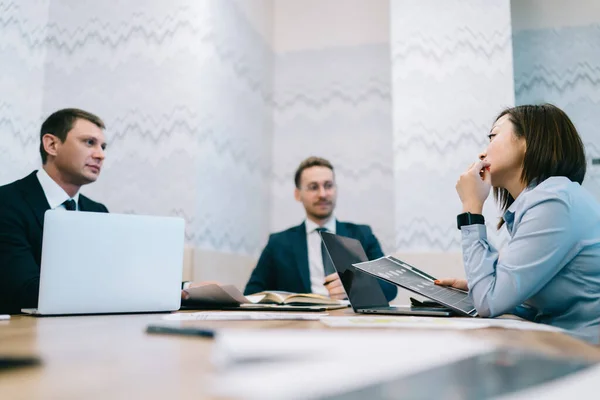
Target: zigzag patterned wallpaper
x,y
207,122
184,88
562,66
452,74
23,30
335,103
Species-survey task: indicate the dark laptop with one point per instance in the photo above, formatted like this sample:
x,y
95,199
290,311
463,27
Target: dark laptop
x,y
363,290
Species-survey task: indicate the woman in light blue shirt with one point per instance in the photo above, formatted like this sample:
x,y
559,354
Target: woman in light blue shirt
x,y
549,271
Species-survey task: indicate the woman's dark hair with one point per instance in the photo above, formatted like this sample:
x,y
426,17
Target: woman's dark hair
x,y
554,147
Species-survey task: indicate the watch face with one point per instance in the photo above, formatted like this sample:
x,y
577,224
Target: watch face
x,y
469,219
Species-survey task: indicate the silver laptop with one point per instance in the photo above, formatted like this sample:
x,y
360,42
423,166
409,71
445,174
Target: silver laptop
x,y
95,263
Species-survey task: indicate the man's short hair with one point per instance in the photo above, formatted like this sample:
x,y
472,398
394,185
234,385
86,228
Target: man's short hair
x,y
61,122
309,163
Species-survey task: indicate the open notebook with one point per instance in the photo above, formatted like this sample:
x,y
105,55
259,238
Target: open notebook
x,y
224,296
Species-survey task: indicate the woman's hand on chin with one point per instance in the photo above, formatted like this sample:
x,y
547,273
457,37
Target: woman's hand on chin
x,y
473,187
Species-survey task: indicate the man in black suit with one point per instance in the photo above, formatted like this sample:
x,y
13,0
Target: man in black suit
x,y
72,146
293,260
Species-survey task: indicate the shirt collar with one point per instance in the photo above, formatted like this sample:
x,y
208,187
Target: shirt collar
x,y
54,193
519,199
329,225
509,215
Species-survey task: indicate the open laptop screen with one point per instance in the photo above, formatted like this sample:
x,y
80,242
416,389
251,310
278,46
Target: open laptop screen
x,y
90,261
363,290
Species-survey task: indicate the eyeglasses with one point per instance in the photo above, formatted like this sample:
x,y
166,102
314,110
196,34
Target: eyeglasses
x,y
314,187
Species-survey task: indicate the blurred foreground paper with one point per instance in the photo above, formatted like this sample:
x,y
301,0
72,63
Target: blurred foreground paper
x,y
383,365
583,384
483,376
281,364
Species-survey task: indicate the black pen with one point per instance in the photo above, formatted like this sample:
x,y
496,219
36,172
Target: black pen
x,y
7,362
181,330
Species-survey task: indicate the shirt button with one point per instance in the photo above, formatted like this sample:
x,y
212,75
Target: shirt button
x,y
466,233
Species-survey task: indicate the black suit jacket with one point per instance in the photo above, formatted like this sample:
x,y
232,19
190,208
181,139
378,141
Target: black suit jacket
x,y
22,207
283,264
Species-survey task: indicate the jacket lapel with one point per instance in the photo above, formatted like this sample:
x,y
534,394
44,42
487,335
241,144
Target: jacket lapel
x,y
300,249
340,229
83,203
35,197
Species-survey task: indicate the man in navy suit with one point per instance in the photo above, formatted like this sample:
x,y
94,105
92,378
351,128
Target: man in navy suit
x,y
72,148
293,260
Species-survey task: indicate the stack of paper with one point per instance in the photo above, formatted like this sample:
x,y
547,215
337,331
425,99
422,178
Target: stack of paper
x,y
242,316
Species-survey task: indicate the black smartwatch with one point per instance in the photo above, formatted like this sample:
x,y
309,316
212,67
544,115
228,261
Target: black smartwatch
x,y
469,219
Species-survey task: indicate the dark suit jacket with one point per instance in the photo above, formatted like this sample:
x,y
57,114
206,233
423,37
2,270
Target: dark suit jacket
x,y
283,264
22,207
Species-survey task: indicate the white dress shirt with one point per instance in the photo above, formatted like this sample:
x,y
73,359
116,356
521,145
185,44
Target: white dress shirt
x,y
315,259
55,195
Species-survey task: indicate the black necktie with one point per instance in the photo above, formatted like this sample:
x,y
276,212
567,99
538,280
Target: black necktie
x,y
327,263
70,205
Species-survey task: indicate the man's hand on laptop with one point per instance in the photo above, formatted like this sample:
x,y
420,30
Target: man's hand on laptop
x,y
453,282
185,295
334,285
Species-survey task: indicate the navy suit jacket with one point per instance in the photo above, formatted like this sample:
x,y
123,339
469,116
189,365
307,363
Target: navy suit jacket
x,y
283,264
22,207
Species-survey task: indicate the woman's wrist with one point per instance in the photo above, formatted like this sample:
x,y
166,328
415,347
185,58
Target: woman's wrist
x,y
473,208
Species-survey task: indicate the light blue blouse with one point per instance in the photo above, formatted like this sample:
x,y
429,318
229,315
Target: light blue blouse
x,y
549,271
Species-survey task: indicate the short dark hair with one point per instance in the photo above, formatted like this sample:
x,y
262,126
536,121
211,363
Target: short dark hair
x,y
61,122
309,163
554,148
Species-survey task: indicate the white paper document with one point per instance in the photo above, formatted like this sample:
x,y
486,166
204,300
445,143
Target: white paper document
x,y
292,364
433,323
398,322
242,316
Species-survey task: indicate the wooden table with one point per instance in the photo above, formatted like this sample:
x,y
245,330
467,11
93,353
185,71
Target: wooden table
x,y
110,357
